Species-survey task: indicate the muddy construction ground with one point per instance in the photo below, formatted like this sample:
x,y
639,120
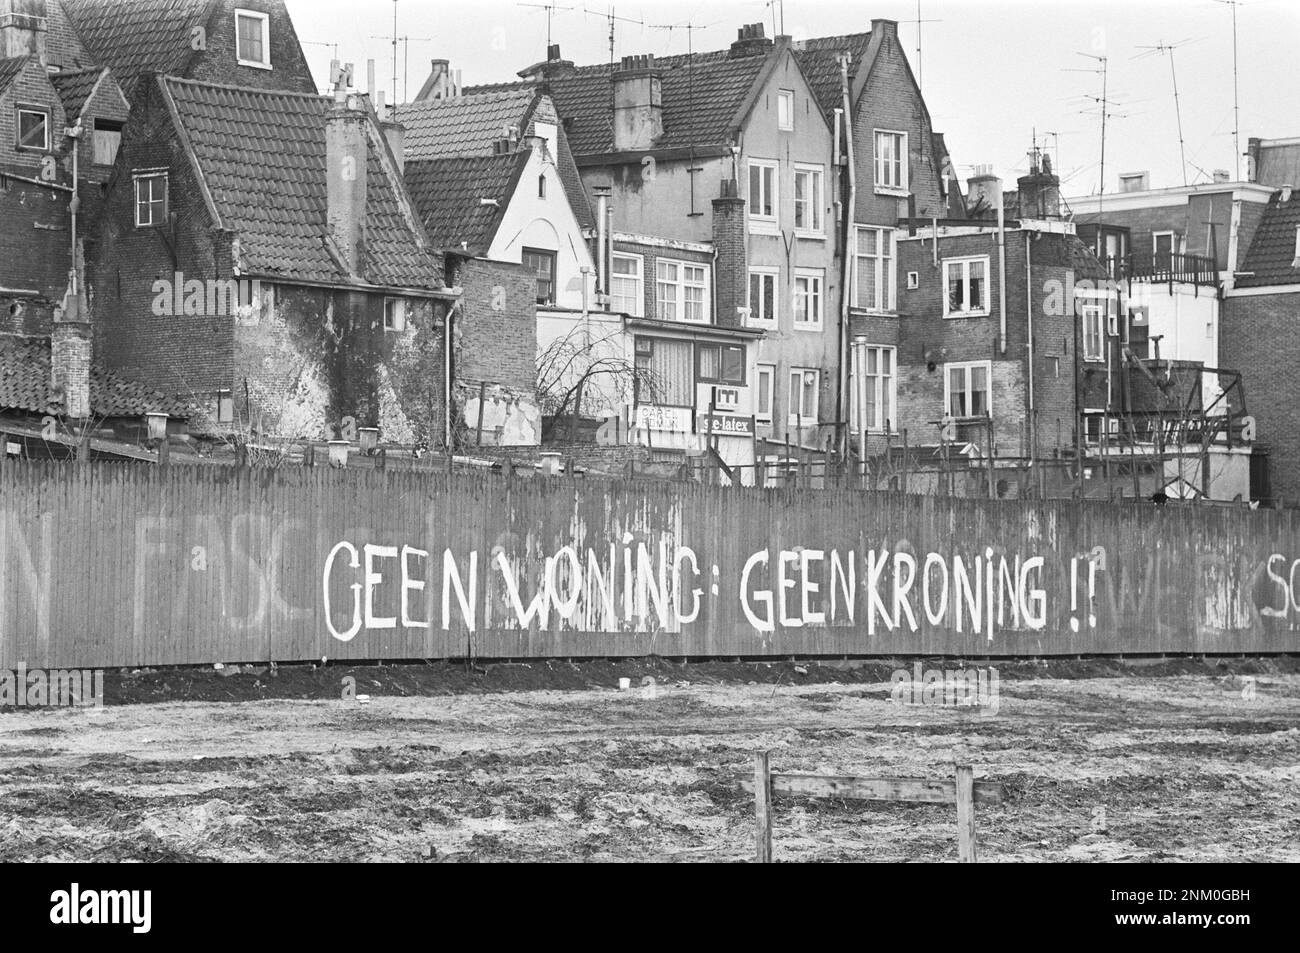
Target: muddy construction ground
x,y
1185,760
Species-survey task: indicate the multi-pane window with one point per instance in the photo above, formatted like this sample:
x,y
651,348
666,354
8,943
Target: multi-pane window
x,y
33,129
682,291
891,159
1093,316
764,392
542,264
966,389
875,278
252,38
762,193
805,383
762,296
626,289
808,300
785,109
968,287
808,200
150,200
878,370
720,364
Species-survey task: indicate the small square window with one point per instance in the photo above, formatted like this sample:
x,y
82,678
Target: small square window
x,y
33,129
913,280
150,200
394,314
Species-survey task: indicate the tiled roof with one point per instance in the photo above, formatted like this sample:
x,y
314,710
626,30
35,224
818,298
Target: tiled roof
x,y
9,70
819,60
25,384
1272,254
262,153
74,88
462,125
447,193
469,126
701,95
138,36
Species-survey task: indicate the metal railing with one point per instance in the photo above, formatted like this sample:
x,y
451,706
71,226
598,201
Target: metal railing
x,y
1164,266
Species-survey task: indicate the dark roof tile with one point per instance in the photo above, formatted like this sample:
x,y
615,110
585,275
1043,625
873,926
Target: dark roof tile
x,y
1271,258
463,125
9,70
74,88
819,60
133,37
448,194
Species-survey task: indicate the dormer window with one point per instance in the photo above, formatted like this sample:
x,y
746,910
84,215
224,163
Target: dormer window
x,y
33,129
150,199
253,39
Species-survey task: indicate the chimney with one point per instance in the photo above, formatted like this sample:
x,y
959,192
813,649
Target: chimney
x,y
731,278
438,78
1040,192
1222,175
984,186
345,161
395,134
1253,146
1286,194
638,104
554,65
70,350
750,41
23,26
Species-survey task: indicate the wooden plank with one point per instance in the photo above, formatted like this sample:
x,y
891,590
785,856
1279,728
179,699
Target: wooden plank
x,y
879,789
965,814
763,807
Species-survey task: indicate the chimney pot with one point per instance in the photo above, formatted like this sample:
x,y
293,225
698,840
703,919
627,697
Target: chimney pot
x,y
1286,192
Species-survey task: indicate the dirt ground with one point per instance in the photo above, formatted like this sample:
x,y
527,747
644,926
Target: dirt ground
x,y
1139,761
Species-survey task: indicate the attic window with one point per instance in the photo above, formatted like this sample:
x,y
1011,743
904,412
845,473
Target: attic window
x,y
150,200
33,129
253,39
106,138
785,109
541,186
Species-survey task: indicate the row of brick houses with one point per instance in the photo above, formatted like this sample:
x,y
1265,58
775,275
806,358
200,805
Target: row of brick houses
x,y
744,256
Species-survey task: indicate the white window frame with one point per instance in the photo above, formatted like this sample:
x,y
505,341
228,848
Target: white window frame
x,y
1093,313
968,312
796,402
816,279
883,262
883,174
395,320
967,366
882,384
768,371
266,38
136,181
639,299
759,222
785,96
1173,241
816,202
756,318
1296,261
45,114
679,286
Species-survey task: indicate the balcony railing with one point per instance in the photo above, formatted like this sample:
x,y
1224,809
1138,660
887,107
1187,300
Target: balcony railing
x,y
1164,266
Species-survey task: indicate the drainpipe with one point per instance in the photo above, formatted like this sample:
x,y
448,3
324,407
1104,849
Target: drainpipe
x,y
602,202
1029,322
74,205
1002,274
846,279
447,372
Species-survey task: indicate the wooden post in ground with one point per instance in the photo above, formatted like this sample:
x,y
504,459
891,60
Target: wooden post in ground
x,y
965,814
763,807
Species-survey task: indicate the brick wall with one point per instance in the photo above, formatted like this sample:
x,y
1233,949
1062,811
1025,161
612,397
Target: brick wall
x,y
220,64
30,88
62,46
650,255
34,256
1256,331
890,100
731,276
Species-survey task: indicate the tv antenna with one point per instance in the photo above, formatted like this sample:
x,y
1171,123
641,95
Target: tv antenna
x,y
920,70
1103,68
778,9
550,9
1236,102
1162,48
406,63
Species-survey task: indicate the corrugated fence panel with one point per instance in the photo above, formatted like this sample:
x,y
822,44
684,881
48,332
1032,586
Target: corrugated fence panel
x,y
117,565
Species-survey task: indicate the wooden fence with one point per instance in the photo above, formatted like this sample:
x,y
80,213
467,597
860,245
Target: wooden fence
x,y
116,565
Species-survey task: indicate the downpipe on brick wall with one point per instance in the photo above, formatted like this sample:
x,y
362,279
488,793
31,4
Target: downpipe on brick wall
x,y
846,278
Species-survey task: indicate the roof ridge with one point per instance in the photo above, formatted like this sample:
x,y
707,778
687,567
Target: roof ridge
x,y
281,93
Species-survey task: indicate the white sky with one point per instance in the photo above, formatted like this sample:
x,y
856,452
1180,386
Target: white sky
x,y
993,71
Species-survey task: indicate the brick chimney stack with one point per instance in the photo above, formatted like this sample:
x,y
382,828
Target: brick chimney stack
x,y
23,27
732,276
638,104
1040,191
986,186
750,41
553,66
70,350
345,161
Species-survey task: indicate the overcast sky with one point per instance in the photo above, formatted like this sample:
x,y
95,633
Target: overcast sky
x,y
993,71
